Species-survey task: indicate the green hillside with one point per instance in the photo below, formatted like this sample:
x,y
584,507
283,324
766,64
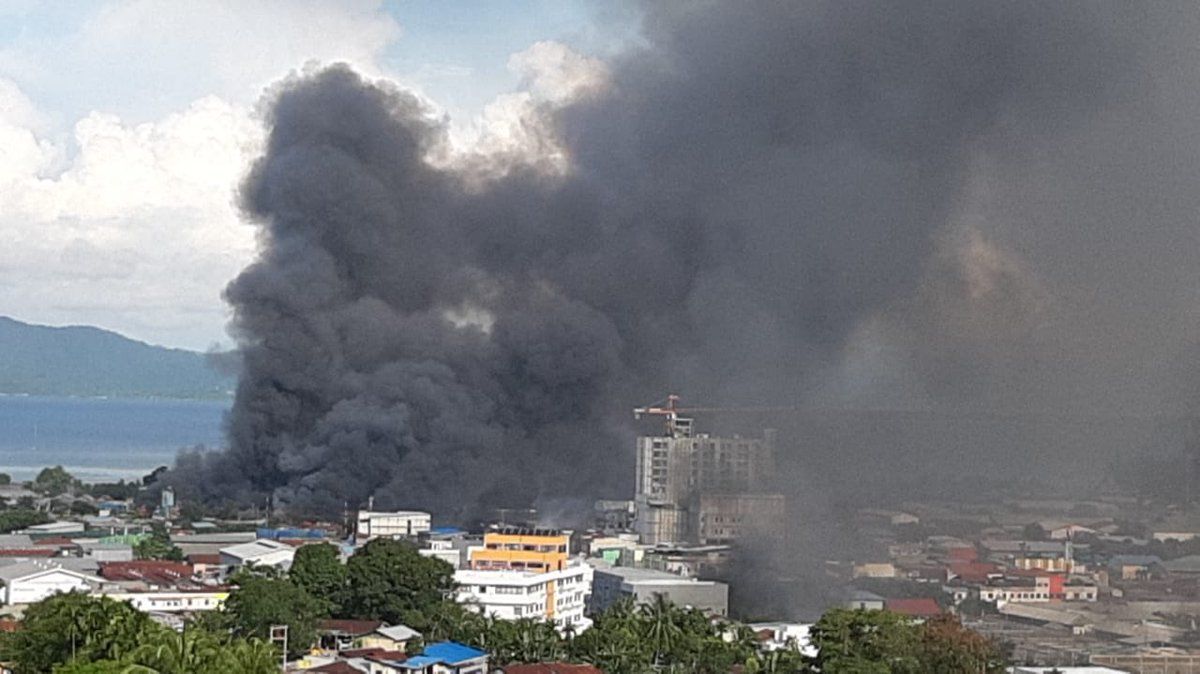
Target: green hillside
x,y
87,361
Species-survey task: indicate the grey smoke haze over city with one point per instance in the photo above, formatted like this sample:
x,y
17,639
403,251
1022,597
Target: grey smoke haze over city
x,y
952,209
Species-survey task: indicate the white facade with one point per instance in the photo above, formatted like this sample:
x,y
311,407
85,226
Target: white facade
x,y
172,602
558,596
263,552
787,635
375,524
443,550
31,582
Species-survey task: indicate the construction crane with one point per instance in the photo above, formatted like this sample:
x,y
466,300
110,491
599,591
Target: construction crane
x,y
669,408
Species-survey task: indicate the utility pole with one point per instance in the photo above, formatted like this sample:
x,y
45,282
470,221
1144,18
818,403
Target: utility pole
x,y
279,634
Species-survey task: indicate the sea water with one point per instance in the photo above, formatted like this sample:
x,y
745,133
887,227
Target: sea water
x,y
99,439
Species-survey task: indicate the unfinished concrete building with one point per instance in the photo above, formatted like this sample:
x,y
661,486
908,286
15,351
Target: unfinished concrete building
x,y
696,488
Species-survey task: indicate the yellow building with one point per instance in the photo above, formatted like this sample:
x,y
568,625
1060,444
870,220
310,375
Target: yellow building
x,y
537,550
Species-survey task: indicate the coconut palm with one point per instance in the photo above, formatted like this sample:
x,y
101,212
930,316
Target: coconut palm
x,y
660,626
185,652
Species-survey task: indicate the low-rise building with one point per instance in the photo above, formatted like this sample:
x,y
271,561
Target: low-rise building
x,y
874,570
260,552
390,637
210,543
159,601
343,634
56,528
29,582
862,600
1053,556
699,561
149,575
611,584
446,657
1039,588
1135,567
395,524
776,636
108,552
920,608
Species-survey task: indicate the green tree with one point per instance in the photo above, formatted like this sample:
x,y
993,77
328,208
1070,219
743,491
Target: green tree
x,y
865,642
660,626
1034,532
100,667
946,647
318,568
74,626
389,580
158,546
54,481
116,490
258,602
5,478
185,652
12,520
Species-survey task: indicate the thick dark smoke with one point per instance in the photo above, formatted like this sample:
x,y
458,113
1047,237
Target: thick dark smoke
x,y
916,206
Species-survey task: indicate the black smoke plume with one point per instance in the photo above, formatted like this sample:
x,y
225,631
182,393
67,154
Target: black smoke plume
x,y
913,205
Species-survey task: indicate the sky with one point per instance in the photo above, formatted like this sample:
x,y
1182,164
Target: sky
x,y
126,126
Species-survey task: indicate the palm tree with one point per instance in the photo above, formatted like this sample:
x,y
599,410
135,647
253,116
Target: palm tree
x,y
661,629
188,652
250,656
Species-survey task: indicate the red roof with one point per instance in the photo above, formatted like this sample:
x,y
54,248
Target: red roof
x,y
205,558
148,570
963,554
916,608
551,668
29,552
335,668
355,628
54,540
9,625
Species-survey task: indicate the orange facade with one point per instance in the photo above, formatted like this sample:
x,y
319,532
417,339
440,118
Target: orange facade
x,y
522,550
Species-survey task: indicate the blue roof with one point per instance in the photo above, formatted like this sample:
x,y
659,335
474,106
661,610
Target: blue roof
x,y
450,652
417,662
445,530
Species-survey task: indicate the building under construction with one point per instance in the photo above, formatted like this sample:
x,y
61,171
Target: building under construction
x,y
700,489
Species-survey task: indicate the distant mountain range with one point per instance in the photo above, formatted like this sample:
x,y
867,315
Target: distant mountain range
x,y
88,361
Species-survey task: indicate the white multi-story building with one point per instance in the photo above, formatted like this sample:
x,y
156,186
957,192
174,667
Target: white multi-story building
x,y
399,524
558,596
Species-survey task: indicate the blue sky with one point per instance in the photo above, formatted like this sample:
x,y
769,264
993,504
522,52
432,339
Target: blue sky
x,y
125,126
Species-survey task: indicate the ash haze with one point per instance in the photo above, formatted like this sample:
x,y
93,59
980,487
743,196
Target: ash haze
x,y
981,214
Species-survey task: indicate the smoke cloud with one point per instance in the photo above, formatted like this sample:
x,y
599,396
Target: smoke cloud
x,y
943,206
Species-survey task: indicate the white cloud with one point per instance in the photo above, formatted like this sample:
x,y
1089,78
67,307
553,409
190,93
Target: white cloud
x,y
139,233
515,127
134,56
124,215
